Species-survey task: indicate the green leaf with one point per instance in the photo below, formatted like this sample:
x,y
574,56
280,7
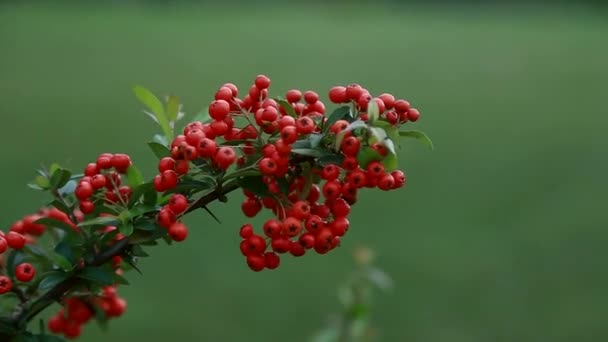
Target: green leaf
x,y
134,177
97,275
390,146
7,326
352,126
378,133
373,112
421,136
287,107
50,279
34,250
100,221
161,139
118,279
139,191
40,183
391,131
145,224
390,162
61,206
138,251
53,223
309,152
340,113
65,248
126,228
60,261
146,97
173,108
144,236
159,150
14,258
367,155
254,184
59,178
335,159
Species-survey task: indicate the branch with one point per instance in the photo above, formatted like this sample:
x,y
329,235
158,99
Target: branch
x,y
25,314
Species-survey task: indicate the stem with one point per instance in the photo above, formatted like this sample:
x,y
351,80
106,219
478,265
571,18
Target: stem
x,y
29,309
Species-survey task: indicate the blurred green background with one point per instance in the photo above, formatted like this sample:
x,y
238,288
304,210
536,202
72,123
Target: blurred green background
x,y
500,234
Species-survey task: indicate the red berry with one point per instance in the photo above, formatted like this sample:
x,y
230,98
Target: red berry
x,y
388,100
314,223
3,245
224,93
71,329
354,91
283,148
166,217
56,323
225,157
273,228
311,97
5,284
104,161
285,121
338,94
357,178
305,125
178,231
98,181
380,104
268,166
256,262
272,260
280,244
15,240
117,307
392,117
292,226
332,189
402,106
338,126
182,166
339,226
307,240
235,90
386,182
364,100
219,127
194,136
296,249
289,134
413,114
254,244
315,109
121,162
178,203
251,206
340,208
330,172
301,210
350,146
219,109
293,96
246,231
206,148
91,170
84,190
399,177
86,207
380,148
25,272
262,82
375,169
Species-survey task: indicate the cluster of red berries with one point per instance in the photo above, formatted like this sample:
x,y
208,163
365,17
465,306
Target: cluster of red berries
x,y
77,311
24,272
303,220
104,176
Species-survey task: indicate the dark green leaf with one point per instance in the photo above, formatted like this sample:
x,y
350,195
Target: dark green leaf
x,y
145,224
53,223
237,142
97,275
60,178
7,326
140,210
421,136
131,262
142,236
126,228
335,159
212,214
51,279
150,196
100,221
139,191
340,113
390,146
66,249
138,251
60,261
254,184
134,177
14,258
309,152
34,250
156,107
118,279
315,140
173,107
61,206
159,150
287,107
367,155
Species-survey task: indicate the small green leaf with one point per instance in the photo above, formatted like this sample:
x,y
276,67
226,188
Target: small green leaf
x,y
391,131
65,248
97,275
161,139
61,206
377,133
126,228
118,279
139,191
253,184
50,279
390,146
60,261
373,112
287,107
134,177
42,182
367,155
340,113
421,136
390,162
173,108
138,251
100,221
59,178
309,152
159,150
146,97
34,250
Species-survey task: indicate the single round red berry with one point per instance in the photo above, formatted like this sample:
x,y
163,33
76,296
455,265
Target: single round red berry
x,y
340,208
219,109
178,231
296,249
246,231
25,272
301,210
339,226
280,244
330,172
206,148
311,97
292,226
337,94
117,307
305,125
178,203
332,189
121,162
413,114
56,323
289,134
273,228
399,177
5,284
104,161
375,169
182,166
386,182
84,190
91,170
87,206
307,240
350,146
225,157
15,240
254,244
388,99
338,126
98,181
166,217
272,260
256,262
268,166
402,106
262,82
72,329
3,245
293,96
251,206
354,91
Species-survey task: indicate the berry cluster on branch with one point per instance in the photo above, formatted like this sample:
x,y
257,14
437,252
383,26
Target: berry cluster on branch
x,y
288,155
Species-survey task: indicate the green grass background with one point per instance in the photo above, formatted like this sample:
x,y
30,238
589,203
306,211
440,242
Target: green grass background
x,y
500,234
